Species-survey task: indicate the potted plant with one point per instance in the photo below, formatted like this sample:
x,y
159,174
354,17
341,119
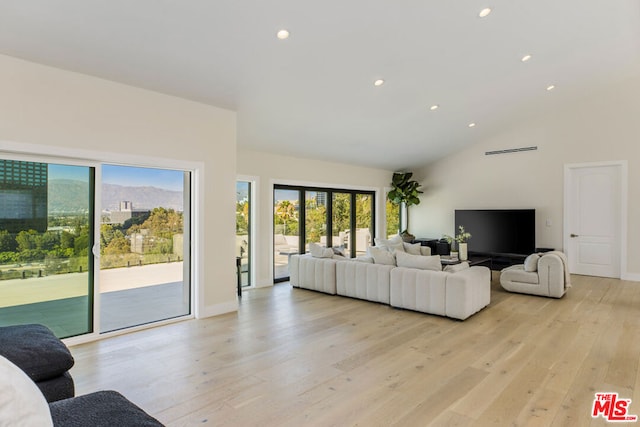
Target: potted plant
x,y
461,239
404,192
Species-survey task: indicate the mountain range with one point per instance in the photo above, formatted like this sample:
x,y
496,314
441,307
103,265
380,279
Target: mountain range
x,y
67,196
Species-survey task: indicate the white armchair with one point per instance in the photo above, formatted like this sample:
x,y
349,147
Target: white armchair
x,y
543,274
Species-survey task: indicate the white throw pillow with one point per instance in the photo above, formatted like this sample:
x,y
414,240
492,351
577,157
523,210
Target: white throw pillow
x,y
393,244
381,256
531,263
418,261
412,248
318,251
22,404
454,268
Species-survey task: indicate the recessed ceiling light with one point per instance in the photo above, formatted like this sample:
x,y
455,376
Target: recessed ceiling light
x,y
434,107
378,82
282,34
551,87
484,12
526,58
472,125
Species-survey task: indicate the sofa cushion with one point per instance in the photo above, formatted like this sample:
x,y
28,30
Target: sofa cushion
x,y
418,261
516,273
318,251
425,250
366,259
412,248
100,409
531,263
381,256
454,268
393,244
339,251
21,403
365,281
35,350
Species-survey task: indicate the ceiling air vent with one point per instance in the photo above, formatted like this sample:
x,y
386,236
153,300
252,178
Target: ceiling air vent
x,y
510,150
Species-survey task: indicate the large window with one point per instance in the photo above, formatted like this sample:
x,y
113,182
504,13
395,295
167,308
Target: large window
x,y
393,218
46,236
144,246
330,217
84,266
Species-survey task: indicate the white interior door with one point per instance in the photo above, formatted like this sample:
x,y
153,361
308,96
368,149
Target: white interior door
x,y
593,218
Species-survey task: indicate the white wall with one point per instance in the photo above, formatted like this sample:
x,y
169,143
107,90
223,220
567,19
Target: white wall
x,y
270,169
67,111
596,126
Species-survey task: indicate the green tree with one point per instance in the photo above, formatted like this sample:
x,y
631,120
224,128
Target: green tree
x,y
364,206
7,242
285,213
81,242
48,241
316,220
242,217
27,240
67,240
341,211
117,246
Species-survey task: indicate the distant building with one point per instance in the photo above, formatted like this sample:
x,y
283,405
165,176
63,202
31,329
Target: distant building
x,y
23,196
126,212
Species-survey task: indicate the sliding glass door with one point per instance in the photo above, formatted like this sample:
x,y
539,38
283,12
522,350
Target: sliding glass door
x,y
315,217
286,227
330,217
46,236
144,246
47,248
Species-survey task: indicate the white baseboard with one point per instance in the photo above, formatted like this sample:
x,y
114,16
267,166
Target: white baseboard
x,y
633,277
217,309
264,283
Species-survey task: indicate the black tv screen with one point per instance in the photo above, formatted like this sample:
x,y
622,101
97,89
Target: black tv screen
x,y
499,231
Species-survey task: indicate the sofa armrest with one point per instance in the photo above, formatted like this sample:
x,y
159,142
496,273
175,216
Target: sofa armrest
x,y
318,274
467,292
551,274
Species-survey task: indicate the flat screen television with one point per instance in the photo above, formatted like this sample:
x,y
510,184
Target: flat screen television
x,y
499,231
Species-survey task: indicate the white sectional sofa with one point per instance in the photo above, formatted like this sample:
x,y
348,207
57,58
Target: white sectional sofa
x,y
452,294
317,274
371,282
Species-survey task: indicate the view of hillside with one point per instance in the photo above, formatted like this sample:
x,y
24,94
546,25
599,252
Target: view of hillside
x,y
69,197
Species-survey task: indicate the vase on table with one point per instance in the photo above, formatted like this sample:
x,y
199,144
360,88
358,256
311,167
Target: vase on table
x,y
462,251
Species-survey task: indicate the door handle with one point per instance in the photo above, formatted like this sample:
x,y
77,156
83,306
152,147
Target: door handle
x,y
573,235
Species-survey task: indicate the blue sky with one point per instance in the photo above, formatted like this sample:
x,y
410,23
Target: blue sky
x,y
143,177
123,175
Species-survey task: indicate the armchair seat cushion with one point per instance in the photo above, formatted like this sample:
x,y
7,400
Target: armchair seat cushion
x,y
517,273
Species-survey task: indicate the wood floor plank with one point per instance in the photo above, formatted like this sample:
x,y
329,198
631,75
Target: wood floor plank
x,y
292,357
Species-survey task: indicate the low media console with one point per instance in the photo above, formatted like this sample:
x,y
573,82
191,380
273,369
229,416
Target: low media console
x,y
496,261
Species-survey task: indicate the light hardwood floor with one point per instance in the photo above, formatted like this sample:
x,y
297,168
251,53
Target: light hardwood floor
x,y
292,357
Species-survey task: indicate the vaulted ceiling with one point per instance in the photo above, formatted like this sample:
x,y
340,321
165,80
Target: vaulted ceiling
x,y
313,94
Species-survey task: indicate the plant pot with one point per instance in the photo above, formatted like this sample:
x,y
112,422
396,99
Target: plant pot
x,y
454,255
462,248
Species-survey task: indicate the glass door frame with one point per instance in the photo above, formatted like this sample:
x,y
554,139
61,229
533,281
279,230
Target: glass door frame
x,y
87,158
253,209
302,189
94,206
